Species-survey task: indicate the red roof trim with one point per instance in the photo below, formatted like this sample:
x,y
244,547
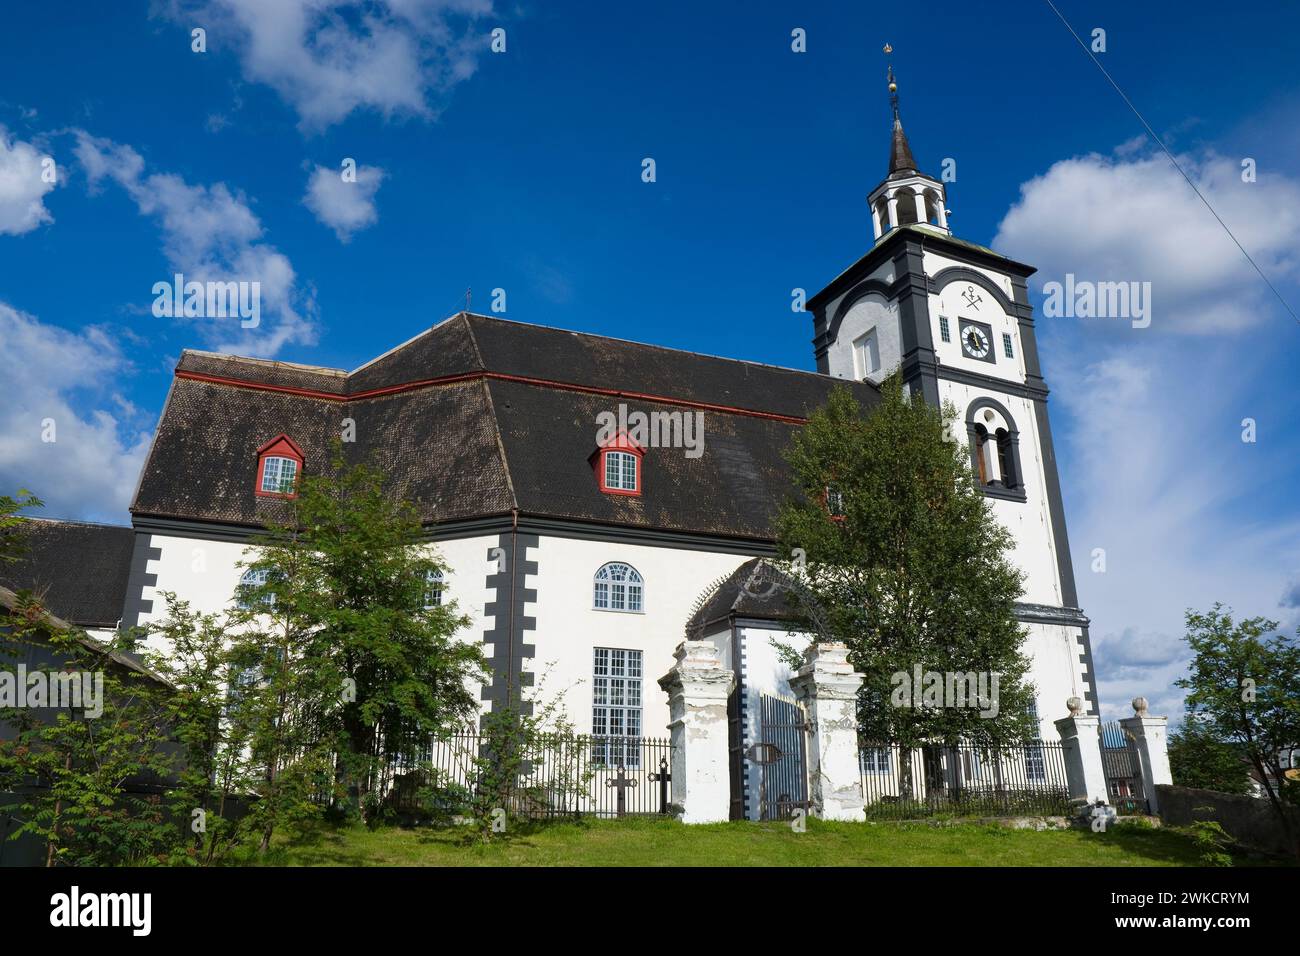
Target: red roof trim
x,y
498,376
282,437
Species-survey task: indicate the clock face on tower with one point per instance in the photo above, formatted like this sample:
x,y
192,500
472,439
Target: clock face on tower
x,y
976,340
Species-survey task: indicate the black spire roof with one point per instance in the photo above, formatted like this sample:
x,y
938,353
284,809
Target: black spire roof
x,y
901,162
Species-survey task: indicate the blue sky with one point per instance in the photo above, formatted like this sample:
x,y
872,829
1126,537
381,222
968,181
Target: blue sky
x,y
521,171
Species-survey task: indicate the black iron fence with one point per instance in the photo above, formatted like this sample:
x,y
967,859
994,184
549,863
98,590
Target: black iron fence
x,y
963,780
548,776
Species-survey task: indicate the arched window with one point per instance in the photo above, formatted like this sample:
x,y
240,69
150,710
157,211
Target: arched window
x,y
250,580
995,449
279,463
905,200
433,581
618,587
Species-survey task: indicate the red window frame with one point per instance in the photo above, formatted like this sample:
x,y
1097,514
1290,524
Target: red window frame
x,y
281,446
826,504
620,443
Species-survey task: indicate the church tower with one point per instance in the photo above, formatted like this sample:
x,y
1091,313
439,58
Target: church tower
x,y
954,319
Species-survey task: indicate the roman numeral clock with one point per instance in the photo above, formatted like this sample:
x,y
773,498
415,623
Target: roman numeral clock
x,y
976,340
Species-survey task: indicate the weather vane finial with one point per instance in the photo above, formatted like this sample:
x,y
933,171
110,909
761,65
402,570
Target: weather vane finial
x,y
893,86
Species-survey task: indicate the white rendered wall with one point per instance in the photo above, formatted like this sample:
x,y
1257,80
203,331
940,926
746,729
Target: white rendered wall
x,y
206,573
871,311
568,627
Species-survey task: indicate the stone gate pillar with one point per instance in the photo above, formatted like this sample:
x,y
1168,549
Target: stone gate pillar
x,y
698,687
827,686
1152,745
1081,747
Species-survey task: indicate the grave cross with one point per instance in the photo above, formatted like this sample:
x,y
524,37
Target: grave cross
x,y
622,782
662,778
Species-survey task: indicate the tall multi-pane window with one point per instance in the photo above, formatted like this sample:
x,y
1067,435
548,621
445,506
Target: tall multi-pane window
x,y
1006,346
944,333
620,471
616,707
875,760
618,587
1035,767
433,581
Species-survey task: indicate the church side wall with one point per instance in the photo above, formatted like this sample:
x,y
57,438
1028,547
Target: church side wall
x,y
568,628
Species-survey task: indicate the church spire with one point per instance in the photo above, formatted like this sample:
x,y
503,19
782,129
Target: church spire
x,y
907,196
900,153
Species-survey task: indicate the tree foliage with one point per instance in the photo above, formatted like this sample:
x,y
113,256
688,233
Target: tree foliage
x,y
1242,690
1199,759
914,570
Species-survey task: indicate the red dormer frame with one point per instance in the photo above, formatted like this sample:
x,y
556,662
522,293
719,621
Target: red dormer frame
x,y
620,442
826,505
281,446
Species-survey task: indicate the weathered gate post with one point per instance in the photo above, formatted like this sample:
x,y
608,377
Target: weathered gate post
x,y
827,686
698,687
1081,746
1152,745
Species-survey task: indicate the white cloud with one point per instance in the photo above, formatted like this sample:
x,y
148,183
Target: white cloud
x,y
22,187
210,234
62,380
1158,477
1136,219
346,207
326,58
1154,470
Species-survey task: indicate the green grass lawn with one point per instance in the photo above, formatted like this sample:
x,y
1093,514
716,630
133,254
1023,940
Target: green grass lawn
x,y
659,842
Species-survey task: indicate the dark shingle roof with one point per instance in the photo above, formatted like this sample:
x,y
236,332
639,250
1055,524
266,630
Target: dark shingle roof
x,y
78,571
755,590
478,416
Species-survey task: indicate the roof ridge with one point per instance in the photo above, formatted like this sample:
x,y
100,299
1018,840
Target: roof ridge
x,y
402,345
500,442
74,521
650,345
251,360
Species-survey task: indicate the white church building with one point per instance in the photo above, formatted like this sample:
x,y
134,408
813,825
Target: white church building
x,y
591,562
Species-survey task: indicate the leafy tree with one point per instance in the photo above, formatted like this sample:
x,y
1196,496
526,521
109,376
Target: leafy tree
x,y
94,780
387,670
90,782
195,657
1242,689
1199,759
906,565
284,687
12,527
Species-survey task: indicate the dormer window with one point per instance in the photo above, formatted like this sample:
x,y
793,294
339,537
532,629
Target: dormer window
x,y
618,467
620,471
834,502
279,463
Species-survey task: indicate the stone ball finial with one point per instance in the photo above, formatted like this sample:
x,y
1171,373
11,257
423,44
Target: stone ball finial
x,y
1140,706
1075,706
